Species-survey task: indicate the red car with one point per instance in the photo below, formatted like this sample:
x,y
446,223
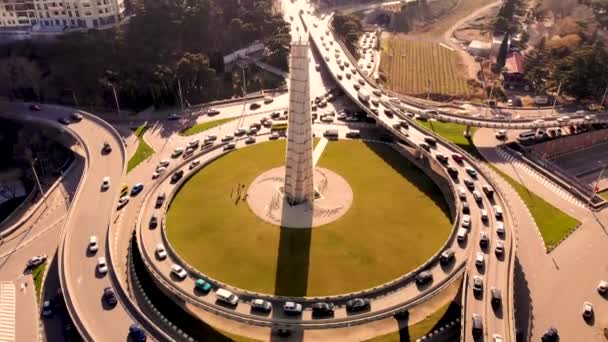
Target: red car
x,y
35,108
457,158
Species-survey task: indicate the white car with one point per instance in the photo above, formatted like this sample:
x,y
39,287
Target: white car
x,y
479,259
193,143
178,271
227,137
501,134
102,266
240,131
159,171
161,253
587,310
210,137
564,118
177,152
292,308
602,287
93,246
466,221
274,136
327,119
500,228
163,163
123,201
497,337
589,117
105,184
194,164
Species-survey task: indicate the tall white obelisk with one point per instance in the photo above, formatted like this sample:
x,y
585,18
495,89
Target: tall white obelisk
x,y
299,185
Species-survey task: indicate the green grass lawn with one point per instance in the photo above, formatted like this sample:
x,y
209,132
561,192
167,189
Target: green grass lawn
x,y
398,220
553,223
143,149
203,126
38,274
439,318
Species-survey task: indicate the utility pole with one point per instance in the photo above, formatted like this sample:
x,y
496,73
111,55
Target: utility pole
x,y
37,180
555,98
115,98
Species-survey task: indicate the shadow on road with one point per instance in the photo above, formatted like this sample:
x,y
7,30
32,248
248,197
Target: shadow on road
x,y
524,314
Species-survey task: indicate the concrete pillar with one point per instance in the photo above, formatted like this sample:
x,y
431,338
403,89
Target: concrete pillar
x,y
299,185
467,132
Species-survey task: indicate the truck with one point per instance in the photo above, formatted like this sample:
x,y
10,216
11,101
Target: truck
x,y
363,95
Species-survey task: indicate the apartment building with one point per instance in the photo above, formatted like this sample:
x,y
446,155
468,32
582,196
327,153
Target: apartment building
x,y
59,15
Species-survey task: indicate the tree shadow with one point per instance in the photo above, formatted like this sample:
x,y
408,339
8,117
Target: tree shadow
x,y
523,301
293,257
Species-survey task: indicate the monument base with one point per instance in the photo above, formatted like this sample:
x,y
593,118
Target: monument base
x,y
333,198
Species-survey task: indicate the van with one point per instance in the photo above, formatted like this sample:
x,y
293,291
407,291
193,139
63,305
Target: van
x,y
498,211
526,136
462,234
226,297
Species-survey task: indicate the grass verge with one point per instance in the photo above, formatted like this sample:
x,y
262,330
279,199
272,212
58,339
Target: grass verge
x,y
377,240
143,149
203,126
38,274
552,223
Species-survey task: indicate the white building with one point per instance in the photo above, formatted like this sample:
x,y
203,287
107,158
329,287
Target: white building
x,y
31,16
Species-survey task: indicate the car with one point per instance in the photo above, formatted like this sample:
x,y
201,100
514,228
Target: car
x,y
123,201
230,146
327,119
163,163
458,158
564,118
425,147
76,117
172,116
465,208
93,245
109,296
602,287
477,328
194,164
471,171
253,130
500,248
446,257
496,300
36,260
351,118
153,222
551,335
210,137
227,137
35,108
64,121
477,285
466,221
452,171
47,309
193,143
424,277
254,106
178,271
261,305
497,337
161,252
483,239
357,304
212,111
177,152
106,149
477,196
484,215
353,134
356,86
102,265
177,175
489,192
202,286
441,157
160,199
501,134
136,333
469,183
479,260
273,136
292,308
322,309
587,310
250,140
500,228
239,131
105,183
589,117
137,188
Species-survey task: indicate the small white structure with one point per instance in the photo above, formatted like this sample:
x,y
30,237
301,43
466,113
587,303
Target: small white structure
x,y
479,48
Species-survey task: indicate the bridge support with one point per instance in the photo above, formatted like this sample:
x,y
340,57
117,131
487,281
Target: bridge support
x,y
467,132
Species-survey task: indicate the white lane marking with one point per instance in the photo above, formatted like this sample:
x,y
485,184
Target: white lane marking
x,y
7,312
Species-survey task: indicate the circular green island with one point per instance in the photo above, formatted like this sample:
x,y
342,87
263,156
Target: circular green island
x,y
398,219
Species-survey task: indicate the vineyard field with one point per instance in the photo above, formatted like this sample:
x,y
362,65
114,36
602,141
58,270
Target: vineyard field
x,y
415,67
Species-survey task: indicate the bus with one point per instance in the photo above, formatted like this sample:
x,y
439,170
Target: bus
x,y
279,126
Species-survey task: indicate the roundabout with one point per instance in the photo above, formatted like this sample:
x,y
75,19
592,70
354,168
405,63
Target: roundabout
x,y
376,240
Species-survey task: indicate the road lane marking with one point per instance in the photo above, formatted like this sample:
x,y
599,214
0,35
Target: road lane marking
x,y
7,312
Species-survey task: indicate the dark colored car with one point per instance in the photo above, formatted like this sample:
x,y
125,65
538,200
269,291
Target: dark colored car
x,y
137,333
477,326
254,106
64,121
109,296
446,257
35,108
153,222
453,172
177,176
425,147
424,277
357,304
322,309
76,117
496,297
550,335
465,208
106,148
160,199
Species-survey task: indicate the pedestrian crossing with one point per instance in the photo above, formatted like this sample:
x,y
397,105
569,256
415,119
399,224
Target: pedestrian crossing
x,y
558,190
7,312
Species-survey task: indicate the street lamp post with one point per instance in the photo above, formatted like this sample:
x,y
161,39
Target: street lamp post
x,y
115,98
37,180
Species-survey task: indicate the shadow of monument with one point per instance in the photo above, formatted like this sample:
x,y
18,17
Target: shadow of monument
x,y
294,256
